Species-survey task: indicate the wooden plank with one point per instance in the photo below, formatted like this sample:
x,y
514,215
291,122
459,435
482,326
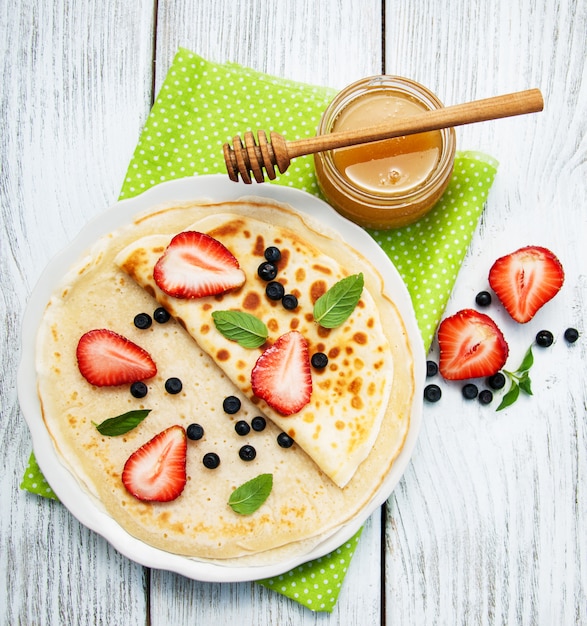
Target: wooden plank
x,y
328,44
487,526
76,81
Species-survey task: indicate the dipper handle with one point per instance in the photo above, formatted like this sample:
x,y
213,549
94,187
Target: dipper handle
x,y
266,155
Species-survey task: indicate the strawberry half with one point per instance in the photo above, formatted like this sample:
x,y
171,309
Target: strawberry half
x,y
281,375
106,358
195,265
471,346
525,280
156,471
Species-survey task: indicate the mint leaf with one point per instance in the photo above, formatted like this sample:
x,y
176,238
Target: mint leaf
x,y
335,306
121,424
527,362
525,383
244,328
520,381
247,498
510,397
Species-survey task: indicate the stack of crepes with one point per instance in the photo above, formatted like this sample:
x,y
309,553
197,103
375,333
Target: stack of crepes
x,y
427,255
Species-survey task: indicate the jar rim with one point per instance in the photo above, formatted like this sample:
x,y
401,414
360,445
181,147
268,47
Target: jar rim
x,y
414,90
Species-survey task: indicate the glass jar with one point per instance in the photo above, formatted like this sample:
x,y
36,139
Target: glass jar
x,y
389,183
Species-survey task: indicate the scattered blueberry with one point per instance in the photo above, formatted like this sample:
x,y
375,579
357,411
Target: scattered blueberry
x,y
272,254
284,440
231,405
483,298
161,315
319,360
571,335
143,321
173,385
485,396
194,432
267,271
211,460
247,453
432,393
274,290
497,381
138,389
242,428
470,391
431,369
289,301
258,423
544,338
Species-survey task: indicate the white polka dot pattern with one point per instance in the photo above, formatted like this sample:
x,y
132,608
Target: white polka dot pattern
x,y
429,253
317,584
202,105
34,481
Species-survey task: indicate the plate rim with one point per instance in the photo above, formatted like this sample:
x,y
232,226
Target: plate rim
x,y
85,507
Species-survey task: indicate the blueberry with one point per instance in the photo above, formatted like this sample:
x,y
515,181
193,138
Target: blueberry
x,y
194,432
242,428
267,271
470,391
431,369
571,335
284,440
319,360
497,381
247,453
231,405
173,385
161,315
258,423
274,290
289,301
544,338
143,321
485,396
272,254
483,298
138,389
432,393
211,460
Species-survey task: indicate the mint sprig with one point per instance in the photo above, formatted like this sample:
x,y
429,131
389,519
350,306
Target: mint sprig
x,y
519,381
121,424
247,498
335,306
244,328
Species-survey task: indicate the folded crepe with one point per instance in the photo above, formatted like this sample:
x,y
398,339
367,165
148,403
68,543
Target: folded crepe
x,y
346,437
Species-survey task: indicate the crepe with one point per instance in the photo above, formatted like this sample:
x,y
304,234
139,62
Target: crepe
x,y
304,506
349,397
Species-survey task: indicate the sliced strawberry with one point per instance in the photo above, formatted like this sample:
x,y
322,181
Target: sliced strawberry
x,y
471,346
281,375
156,471
106,358
196,265
525,280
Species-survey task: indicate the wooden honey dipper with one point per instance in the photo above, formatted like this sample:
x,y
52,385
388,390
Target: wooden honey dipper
x,y
254,157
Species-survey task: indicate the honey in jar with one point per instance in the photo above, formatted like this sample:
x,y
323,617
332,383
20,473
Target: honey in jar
x,y
390,183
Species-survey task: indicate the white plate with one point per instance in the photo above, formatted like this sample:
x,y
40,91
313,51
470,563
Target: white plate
x,y
83,506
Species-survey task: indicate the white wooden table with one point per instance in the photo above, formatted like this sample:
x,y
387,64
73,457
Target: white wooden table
x,y
488,525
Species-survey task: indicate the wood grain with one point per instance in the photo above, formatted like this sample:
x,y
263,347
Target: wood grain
x,y
488,524
76,79
295,32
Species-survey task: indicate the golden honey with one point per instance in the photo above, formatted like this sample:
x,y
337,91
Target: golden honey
x,y
390,183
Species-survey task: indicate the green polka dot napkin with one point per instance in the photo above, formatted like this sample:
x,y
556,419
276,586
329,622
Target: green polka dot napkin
x,y
202,105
